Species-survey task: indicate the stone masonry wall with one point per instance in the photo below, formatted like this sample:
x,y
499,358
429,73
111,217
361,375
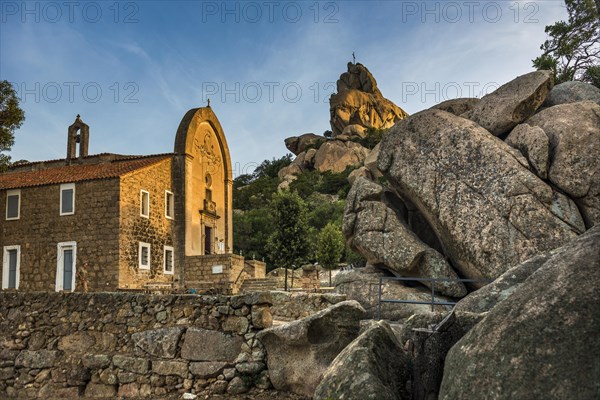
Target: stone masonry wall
x,y
199,272
68,345
94,226
157,230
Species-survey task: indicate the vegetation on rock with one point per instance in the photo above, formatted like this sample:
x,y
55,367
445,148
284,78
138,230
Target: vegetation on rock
x,y
254,216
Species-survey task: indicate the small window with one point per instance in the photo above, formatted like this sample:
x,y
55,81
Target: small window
x,y
67,199
144,256
13,204
169,205
208,194
144,204
169,261
10,267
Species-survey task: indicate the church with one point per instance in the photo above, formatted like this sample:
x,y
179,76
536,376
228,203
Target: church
x,y
109,222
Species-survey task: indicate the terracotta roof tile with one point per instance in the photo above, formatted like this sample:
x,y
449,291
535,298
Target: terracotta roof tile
x,y
77,172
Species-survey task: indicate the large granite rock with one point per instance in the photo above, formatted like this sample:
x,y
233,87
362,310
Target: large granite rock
x,y
487,208
374,366
376,230
359,102
574,133
361,172
361,284
291,170
371,162
542,341
298,144
533,143
572,92
336,156
299,352
486,298
457,106
512,103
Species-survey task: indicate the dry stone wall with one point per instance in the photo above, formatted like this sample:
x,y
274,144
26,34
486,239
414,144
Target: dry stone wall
x,y
93,345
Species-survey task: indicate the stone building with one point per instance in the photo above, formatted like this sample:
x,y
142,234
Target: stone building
x,y
110,221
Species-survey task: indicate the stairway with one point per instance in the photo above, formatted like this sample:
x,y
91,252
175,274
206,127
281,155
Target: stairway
x,y
258,285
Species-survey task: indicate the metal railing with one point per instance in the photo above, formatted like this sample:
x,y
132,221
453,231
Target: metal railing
x,y
433,281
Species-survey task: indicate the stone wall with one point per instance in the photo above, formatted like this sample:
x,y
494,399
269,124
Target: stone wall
x,y
292,306
157,230
200,275
256,269
94,227
66,345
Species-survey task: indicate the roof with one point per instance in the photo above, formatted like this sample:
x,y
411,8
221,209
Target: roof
x,y
120,166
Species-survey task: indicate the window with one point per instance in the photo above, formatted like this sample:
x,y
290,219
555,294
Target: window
x,y
144,204
144,256
169,205
13,204
169,262
11,267
67,199
65,268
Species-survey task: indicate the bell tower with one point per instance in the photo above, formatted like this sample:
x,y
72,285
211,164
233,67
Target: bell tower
x,y
79,133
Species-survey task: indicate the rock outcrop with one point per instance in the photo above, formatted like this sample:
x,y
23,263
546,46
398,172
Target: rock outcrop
x,y
457,106
298,144
541,341
359,101
336,156
299,352
374,366
572,92
573,130
512,103
486,298
533,143
487,208
376,230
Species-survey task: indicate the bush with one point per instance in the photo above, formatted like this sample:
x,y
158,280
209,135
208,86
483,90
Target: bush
x,y
372,138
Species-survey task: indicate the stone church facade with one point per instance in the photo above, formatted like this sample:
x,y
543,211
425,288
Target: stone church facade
x,y
112,222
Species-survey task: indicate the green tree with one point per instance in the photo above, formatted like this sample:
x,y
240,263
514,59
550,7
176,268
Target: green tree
x,y
11,118
330,247
288,244
573,47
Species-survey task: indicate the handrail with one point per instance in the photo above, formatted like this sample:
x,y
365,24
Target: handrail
x,y
433,302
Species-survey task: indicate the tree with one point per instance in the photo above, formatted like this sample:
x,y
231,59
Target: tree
x,y
330,247
11,118
573,48
288,245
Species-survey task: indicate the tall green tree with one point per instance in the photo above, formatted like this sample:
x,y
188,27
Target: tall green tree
x,y
330,247
11,118
288,244
572,50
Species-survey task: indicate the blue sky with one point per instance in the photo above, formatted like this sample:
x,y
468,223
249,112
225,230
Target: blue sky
x,y
133,68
